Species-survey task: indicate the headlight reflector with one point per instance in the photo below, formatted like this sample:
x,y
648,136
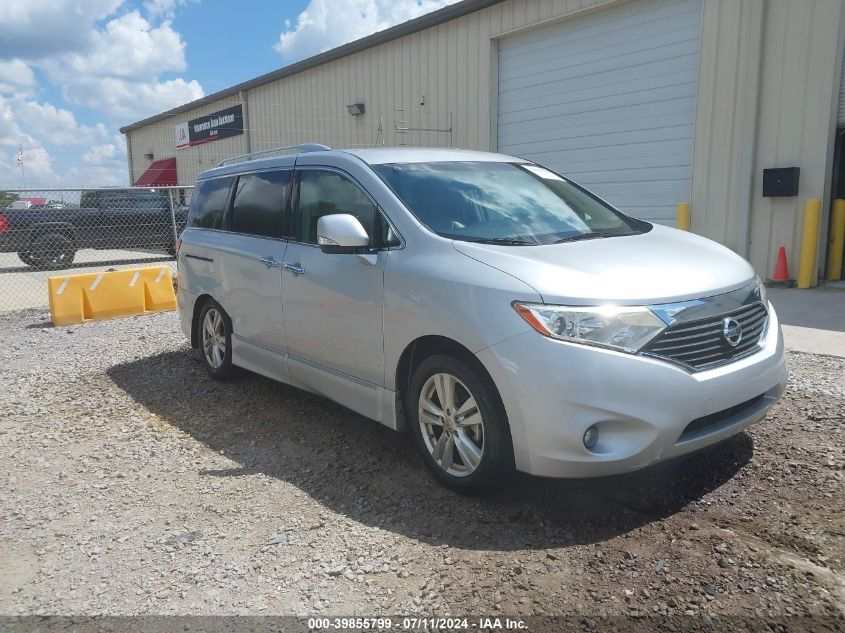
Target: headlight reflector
x,y
626,328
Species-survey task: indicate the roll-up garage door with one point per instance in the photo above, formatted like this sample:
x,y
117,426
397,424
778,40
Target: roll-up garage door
x,y
608,99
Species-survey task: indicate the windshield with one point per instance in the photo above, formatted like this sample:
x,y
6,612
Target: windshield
x,y
504,203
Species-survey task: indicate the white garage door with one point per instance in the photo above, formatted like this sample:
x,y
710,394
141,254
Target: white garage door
x,y
608,99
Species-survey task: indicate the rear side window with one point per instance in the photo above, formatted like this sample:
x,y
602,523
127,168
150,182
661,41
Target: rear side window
x,y
208,203
259,205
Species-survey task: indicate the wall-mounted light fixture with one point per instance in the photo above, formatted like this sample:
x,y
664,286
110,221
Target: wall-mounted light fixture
x,y
148,156
355,109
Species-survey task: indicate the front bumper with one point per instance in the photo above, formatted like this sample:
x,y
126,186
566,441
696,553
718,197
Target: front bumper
x,y
553,391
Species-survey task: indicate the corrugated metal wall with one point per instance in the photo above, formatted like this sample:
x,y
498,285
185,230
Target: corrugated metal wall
x,y
796,121
767,98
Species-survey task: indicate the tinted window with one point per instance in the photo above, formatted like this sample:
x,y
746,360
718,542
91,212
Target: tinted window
x,y
134,201
149,200
208,203
504,203
326,193
259,203
114,201
89,199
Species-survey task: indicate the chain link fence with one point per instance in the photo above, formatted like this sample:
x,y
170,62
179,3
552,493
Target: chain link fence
x,y
68,231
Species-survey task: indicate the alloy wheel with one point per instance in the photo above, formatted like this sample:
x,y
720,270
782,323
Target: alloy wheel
x,y
214,338
451,424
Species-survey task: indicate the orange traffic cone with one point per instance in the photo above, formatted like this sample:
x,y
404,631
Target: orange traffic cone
x,y
780,278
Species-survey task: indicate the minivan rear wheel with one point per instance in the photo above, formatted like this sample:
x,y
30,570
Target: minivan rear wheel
x,y
458,425
215,339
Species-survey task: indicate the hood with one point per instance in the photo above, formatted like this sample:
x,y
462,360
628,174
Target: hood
x,y
661,266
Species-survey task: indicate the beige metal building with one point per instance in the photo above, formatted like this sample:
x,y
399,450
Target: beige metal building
x,y
647,102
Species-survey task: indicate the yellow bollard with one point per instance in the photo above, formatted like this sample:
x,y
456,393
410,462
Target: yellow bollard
x,y
683,221
809,242
837,241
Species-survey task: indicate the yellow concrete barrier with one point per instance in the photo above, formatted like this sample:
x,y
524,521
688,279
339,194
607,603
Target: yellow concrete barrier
x,y
683,218
837,241
809,242
106,295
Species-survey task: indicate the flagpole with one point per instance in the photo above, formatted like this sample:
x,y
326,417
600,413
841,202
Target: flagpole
x,y
20,162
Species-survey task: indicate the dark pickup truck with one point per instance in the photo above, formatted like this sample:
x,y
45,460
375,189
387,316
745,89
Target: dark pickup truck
x,y
48,237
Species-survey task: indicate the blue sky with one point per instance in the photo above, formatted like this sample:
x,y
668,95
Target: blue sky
x,y
73,71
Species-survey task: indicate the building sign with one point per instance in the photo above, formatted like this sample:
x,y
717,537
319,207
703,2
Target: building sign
x,y
183,138
211,127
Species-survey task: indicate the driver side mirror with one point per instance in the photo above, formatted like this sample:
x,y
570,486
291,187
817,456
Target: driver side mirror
x,y
341,233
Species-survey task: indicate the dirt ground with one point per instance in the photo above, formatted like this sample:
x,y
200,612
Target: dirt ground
x,y
134,484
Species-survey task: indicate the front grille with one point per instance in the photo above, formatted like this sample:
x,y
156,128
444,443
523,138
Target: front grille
x,y
700,344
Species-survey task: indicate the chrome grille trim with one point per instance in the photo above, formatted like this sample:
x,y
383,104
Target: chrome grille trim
x,y
699,344
698,310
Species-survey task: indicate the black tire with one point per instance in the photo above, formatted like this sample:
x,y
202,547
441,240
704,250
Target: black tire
x,y
224,370
50,251
496,455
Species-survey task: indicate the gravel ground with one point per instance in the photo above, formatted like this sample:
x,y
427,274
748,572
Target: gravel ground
x,y
134,484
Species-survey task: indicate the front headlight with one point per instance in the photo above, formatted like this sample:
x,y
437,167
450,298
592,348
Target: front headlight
x,y
626,328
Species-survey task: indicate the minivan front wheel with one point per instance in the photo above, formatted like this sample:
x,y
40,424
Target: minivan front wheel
x,y
215,337
458,426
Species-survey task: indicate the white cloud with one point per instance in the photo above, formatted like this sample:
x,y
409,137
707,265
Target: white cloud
x,y
36,29
38,163
46,121
166,8
113,64
128,101
325,24
128,47
98,156
119,75
102,165
16,77
107,153
39,166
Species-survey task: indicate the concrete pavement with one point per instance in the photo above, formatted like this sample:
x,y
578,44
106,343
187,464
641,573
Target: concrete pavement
x,y
813,320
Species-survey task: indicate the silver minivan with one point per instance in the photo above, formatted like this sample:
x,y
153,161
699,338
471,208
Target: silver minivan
x,y
502,315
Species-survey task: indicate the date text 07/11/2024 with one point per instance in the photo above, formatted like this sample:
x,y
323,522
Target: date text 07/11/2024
x,y
417,623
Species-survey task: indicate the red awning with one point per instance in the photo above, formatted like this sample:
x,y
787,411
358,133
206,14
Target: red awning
x,y
159,174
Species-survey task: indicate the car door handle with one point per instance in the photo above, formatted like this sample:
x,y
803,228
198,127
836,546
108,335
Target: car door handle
x,y
296,268
269,261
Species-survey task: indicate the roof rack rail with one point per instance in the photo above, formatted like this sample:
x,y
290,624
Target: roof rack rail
x,y
299,149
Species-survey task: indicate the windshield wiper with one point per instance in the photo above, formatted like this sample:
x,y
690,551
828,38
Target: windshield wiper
x,y
584,236
510,241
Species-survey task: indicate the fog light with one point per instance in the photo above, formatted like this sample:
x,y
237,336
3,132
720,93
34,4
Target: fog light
x,y
591,437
